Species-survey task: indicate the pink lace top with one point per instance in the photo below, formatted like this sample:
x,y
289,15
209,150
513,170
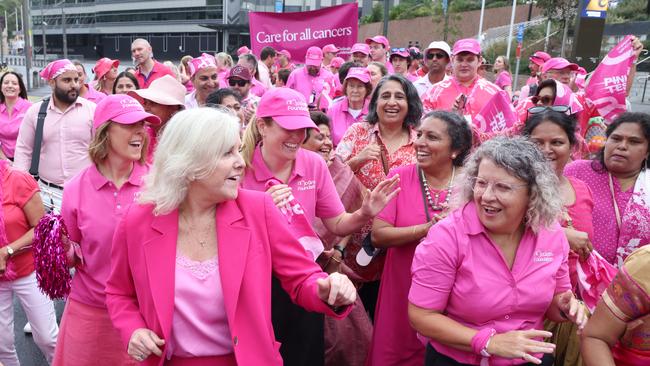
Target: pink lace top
x,y
195,331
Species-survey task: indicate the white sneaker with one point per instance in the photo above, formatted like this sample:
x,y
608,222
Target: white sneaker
x,y
27,328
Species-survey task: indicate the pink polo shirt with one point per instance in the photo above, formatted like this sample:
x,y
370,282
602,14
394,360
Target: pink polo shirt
x,y
258,88
459,271
443,94
94,95
341,119
301,81
310,181
92,207
503,79
9,126
159,70
66,136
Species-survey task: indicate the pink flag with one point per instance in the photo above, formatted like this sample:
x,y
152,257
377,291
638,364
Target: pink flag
x,y
497,114
608,84
296,32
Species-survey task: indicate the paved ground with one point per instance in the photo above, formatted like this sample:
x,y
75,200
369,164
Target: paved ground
x,y
28,353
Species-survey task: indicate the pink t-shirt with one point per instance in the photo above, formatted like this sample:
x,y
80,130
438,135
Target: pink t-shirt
x,y
195,331
94,95
605,238
92,206
310,181
222,76
9,126
458,264
341,119
443,94
306,84
258,88
503,79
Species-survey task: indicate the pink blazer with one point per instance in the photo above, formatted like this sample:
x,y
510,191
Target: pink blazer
x,y
254,243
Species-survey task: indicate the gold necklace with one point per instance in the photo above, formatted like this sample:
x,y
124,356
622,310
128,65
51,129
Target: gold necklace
x,y
202,242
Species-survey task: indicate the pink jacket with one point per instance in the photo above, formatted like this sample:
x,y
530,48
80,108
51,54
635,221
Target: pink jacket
x,y
254,243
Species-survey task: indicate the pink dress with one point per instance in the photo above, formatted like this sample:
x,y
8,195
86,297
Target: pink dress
x,y
606,232
394,342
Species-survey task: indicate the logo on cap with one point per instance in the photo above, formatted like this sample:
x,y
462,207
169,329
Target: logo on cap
x,y
297,105
130,103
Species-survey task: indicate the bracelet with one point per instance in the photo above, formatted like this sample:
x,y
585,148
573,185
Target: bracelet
x,y
335,259
341,250
481,340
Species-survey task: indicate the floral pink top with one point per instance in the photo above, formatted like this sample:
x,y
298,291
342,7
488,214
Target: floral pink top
x,y
361,134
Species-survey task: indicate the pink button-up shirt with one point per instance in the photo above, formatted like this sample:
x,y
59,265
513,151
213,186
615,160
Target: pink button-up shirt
x,y
66,136
9,126
443,94
94,95
310,181
458,270
196,332
92,207
341,119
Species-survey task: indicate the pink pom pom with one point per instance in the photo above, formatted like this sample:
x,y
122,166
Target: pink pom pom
x,y
50,259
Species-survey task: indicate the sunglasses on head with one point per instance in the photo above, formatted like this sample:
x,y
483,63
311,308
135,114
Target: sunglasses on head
x,y
546,100
555,108
438,55
402,49
233,82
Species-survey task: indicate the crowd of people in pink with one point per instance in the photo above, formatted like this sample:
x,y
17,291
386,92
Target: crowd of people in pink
x,y
373,206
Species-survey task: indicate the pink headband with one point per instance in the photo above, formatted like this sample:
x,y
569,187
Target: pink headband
x,y
56,68
202,62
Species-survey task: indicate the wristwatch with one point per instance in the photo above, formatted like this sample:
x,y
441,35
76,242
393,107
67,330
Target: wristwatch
x,y
10,251
341,250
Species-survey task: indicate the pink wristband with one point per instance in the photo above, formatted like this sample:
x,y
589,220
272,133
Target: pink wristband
x,y
480,339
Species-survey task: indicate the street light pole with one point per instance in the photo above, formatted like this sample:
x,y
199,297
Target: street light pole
x,y
512,24
27,35
43,24
65,37
480,22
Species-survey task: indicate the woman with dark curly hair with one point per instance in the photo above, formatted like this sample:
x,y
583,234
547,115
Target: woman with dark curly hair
x,y
426,188
13,105
620,183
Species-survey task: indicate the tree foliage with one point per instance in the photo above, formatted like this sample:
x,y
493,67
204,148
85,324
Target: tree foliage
x,y
628,10
408,9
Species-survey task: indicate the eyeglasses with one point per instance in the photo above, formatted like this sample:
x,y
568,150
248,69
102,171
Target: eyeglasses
x,y
438,55
500,189
402,49
241,83
544,108
546,100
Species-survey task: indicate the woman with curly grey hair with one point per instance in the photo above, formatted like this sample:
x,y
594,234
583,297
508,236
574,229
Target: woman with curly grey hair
x,y
485,278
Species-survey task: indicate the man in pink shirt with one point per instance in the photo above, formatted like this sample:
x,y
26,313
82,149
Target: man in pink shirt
x,y
329,52
436,58
148,69
464,91
205,79
250,62
360,53
86,91
67,132
239,80
379,48
268,56
536,61
313,81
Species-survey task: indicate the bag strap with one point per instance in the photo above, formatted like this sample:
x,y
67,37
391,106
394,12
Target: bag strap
x,y
424,197
38,138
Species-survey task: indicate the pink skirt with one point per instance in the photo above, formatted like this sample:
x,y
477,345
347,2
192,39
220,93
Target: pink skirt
x,y
87,337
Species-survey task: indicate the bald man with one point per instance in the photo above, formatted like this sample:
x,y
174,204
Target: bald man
x,y
147,69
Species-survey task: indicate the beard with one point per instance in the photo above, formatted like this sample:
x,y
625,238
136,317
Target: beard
x,y
68,97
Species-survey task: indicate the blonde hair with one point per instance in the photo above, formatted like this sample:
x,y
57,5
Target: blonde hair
x,y
174,69
225,59
98,148
250,140
192,141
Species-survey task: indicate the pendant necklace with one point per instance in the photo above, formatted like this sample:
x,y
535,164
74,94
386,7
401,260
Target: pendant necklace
x,y
434,203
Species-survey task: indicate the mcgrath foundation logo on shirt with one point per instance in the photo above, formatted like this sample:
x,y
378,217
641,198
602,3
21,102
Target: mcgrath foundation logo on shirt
x,y
297,105
305,185
542,256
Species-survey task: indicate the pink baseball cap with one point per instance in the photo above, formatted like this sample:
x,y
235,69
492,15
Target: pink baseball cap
x,y
401,52
287,107
122,109
379,39
360,73
165,90
539,57
470,45
200,63
243,50
360,47
558,63
103,66
286,53
56,68
314,56
337,62
330,48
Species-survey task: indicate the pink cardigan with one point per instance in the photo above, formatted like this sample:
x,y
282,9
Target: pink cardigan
x,y
254,243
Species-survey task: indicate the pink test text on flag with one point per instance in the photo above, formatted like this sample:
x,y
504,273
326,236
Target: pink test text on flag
x,y
608,83
497,115
296,32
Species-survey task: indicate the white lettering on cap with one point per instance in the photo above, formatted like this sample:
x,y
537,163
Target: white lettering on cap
x,y
297,105
130,103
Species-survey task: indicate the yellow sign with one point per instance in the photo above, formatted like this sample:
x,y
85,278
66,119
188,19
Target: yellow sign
x,y
597,5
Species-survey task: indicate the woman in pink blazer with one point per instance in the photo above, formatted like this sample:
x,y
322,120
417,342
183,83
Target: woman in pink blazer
x,y
191,269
